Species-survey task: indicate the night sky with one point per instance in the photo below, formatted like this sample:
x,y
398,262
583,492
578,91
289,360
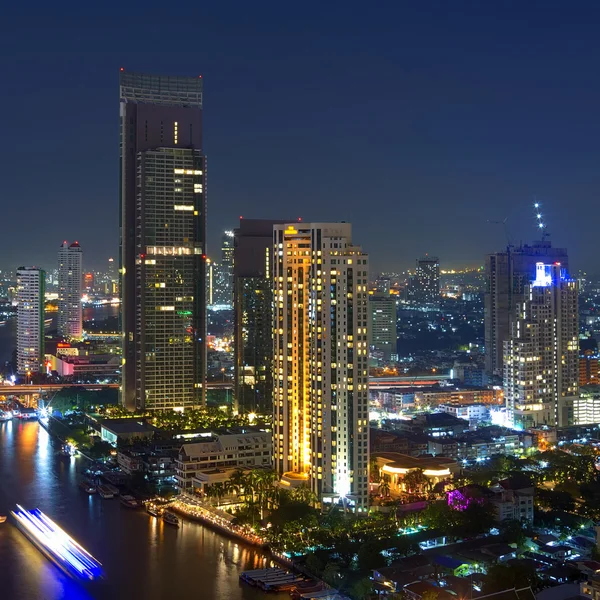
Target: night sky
x,y
418,123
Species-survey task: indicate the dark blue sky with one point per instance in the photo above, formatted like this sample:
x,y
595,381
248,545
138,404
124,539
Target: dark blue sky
x,y
417,122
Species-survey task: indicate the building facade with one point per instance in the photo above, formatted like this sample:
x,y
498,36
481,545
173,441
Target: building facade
x,y
382,330
224,452
30,320
586,407
70,289
507,274
320,389
424,289
541,370
163,233
253,315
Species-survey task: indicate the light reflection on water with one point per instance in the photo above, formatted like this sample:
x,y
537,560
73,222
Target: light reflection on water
x,y
142,556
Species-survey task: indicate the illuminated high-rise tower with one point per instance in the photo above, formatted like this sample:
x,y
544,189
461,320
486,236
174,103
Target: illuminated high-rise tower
x,y
320,387
70,289
163,232
424,288
541,368
30,319
253,315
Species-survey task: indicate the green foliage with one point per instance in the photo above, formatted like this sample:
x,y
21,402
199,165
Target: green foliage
x,y
501,577
554,500
514,532
369,556
362,589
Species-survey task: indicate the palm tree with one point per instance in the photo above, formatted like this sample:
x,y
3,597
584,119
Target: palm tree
x,y
384,487
304,494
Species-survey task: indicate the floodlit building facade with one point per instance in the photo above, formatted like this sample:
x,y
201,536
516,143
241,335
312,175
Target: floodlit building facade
x,y
70,289
507,274
163,232
541,369
320,388
586,407
30,320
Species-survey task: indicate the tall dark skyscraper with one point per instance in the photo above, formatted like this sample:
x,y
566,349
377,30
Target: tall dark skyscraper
x,y
507,274
253,314
425,284
162,250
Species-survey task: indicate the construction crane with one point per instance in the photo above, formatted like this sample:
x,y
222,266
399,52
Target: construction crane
x,y
509,242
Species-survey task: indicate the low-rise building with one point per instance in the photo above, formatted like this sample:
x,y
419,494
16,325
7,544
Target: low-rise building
x,y
586,407
125,430
221,453
396,466
473,413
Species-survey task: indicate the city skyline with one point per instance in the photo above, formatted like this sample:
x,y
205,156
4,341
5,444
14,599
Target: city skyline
x,y
474,132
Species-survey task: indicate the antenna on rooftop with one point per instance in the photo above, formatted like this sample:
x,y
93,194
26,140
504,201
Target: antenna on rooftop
x,y
541,225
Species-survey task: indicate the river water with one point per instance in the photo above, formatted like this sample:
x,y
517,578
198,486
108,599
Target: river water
x,y
143,557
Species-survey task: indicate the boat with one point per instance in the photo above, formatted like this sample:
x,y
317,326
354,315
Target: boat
x,y
87,487
128,501
170,518
105,491
56,544
5,416
2,518
151,509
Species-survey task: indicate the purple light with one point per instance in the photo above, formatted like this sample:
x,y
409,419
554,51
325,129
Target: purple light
x,y
457,500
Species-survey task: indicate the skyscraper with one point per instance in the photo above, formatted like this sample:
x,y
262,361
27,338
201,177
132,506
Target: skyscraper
x,y
425,284
162,250
31,283
223,271
507,274
382,331
541,355
70,288
253,314
320,388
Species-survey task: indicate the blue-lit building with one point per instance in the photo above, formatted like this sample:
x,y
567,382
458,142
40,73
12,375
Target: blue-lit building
x,y
541,369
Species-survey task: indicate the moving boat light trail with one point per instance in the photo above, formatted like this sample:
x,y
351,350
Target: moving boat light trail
x,y
57,544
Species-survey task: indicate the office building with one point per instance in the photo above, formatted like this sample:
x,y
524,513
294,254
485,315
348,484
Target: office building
x,y
253,315
320,390
541,370
222,283
507,274
586,407
382,330
113,277
163,232
70,289
31,283
424,288
588,362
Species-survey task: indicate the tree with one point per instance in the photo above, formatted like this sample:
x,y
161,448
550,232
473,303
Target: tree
x,y
369,556
415,481
384,487
554,500
362,589
331,574
314,564
513,532
501,577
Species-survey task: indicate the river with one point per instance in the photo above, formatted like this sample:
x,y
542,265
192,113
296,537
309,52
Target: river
x,y
142,556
